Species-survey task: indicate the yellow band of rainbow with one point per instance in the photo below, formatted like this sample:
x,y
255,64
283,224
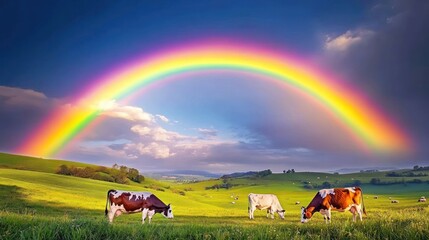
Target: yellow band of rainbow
x,y
368,124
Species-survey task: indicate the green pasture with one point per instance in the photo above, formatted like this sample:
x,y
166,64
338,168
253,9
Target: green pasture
x,y
44,205
35,164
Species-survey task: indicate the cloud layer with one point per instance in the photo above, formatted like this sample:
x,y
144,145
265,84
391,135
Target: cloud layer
x,y
250,124
387,58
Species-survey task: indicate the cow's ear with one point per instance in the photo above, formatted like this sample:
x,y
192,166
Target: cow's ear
x,y
168,206
283,210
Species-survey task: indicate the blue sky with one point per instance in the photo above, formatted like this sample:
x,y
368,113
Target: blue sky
x,y
51,50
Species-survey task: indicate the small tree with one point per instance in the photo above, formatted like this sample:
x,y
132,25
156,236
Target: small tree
x,y
357,183
375,181
133,174
326,185
64,170
140,178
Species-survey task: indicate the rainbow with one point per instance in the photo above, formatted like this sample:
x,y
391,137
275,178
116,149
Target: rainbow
x,y
367,125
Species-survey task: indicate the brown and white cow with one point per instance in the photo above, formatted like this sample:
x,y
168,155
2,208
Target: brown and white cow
x,y
134,202
338,199
265,201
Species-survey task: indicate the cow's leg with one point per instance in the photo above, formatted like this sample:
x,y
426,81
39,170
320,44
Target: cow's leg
x,y
329,215
144,214
150,215
248,210
270,213
326,214
360,214
353,211
359,211
251,211
111,213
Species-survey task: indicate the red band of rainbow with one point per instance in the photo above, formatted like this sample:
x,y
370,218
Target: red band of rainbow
x,y
368,124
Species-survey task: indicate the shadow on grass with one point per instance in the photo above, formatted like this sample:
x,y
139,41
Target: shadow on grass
x,y
14,200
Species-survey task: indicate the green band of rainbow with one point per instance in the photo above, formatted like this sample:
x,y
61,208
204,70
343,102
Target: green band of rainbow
x,y
364,121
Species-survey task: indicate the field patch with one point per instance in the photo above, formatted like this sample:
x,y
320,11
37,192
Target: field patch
x,y
40,205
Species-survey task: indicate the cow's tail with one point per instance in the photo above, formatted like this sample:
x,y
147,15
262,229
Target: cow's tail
x,y
107,201
363,204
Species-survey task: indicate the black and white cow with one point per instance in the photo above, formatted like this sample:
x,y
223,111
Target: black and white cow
x,y
134,202
265,201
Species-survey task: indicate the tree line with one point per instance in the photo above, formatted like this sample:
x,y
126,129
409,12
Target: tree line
x,y
378,181
326,184
117,174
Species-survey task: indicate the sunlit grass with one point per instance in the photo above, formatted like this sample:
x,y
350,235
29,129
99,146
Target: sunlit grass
x,y
38,205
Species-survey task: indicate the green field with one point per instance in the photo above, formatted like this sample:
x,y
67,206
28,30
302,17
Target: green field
x,y
38,204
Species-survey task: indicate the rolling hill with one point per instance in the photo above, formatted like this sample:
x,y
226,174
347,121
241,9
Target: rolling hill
x,y
42,204
35,164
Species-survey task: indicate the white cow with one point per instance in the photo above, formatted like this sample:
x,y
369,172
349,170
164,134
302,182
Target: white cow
x,y
265,201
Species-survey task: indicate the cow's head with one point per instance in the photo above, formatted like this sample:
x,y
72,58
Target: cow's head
x,y
281,213
168,212
305,215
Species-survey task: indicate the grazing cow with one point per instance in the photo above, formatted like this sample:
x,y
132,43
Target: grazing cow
x,y
422,199
339,199
394,201
133,202
265,201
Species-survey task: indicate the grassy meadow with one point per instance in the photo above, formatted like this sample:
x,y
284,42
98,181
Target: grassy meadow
x,y
38,204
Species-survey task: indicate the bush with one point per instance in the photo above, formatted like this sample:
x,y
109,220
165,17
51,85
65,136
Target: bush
x,y
103,177
375,181
118,174
64,170
326,185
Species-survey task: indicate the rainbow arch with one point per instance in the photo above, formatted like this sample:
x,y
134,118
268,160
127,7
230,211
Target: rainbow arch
x,y
368,125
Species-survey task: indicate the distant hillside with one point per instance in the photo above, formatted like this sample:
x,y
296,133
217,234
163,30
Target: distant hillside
x,y
248,174
356,170
36,164
182,175
117,174
240,174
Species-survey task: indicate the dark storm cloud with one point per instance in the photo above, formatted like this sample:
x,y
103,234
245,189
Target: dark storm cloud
x,y
21,110
392,63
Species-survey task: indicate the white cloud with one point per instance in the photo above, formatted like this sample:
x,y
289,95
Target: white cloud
x,y
156,133
160,134
153,149
146,138
131,113
346,40
141,130
162,118
207,132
